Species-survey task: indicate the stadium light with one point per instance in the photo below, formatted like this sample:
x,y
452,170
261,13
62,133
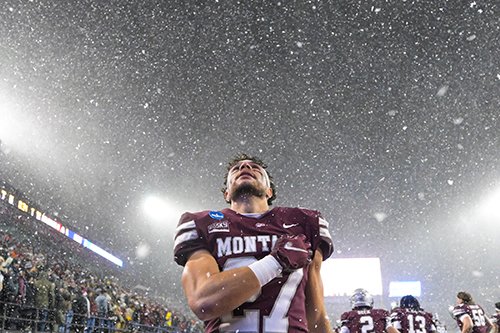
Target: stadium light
x,y
490,208
158,208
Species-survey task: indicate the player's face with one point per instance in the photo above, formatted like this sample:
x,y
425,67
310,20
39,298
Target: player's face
x,y
247,171
247,177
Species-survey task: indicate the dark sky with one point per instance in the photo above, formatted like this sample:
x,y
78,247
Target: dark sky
x,y
383,115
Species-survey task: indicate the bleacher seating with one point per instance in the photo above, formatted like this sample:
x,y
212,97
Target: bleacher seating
x,y
28,252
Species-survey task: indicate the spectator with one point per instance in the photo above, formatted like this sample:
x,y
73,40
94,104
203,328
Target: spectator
x,y
102,309
44,296
115,317
64,309
69,277
79,305
91,321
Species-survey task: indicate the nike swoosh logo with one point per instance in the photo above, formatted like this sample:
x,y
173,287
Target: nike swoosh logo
x,y
293,248
286,226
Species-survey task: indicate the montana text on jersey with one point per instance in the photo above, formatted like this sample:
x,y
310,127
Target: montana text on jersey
x,y
236,240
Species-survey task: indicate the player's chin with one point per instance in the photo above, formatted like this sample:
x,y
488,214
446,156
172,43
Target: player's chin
x,y
246,189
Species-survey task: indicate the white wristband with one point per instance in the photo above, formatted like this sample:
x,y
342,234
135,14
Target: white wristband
x,y
266,269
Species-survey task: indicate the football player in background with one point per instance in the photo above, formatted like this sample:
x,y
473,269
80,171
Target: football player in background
x,y
363,318
470,316
440,326
410,318
495,319
252,269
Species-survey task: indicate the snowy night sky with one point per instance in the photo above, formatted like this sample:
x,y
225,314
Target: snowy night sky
x,y
383,115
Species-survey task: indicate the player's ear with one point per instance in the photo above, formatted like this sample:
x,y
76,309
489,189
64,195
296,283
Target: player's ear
x,y
269,192
226,195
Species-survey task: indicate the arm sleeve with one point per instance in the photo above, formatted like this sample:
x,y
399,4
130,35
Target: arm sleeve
x,y
458,312
395,321
187,239
462,317
344,329
319,234
326,244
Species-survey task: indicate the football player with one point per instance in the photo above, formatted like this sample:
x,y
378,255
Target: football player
x,y
470,316
409,317
363,318
440,326
252,269
495,319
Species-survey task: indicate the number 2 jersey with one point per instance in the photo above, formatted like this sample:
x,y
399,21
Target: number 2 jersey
x,y
476,314
236,240
410,320
365,321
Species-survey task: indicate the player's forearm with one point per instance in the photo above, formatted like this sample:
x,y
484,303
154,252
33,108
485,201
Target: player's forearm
x,y
467,329
220,293
320,325
392,329
489,327
317,319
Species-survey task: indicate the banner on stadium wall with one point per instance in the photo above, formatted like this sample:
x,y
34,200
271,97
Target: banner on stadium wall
x,y
22,205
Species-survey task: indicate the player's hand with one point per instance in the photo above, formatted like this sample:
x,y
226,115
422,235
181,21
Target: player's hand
x,y
292,252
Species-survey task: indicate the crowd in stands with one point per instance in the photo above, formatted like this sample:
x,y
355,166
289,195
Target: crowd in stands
x,y
64,298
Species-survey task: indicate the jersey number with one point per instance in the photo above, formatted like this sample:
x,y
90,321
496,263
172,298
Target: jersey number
x,y
249,320
416,324
478,317
367,324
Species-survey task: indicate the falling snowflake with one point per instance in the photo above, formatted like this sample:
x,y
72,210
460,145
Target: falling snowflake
x,y
442,91
380,217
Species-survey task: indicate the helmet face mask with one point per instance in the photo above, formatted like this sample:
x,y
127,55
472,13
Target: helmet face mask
x,y
361,298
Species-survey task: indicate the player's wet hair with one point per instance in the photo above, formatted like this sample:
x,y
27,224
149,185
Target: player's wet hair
x,y
243,157
466,297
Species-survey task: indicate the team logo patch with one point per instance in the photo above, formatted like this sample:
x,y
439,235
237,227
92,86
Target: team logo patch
x,y
216,215
222,226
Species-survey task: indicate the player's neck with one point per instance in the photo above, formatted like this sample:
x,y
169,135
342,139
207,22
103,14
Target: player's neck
x,y
250,205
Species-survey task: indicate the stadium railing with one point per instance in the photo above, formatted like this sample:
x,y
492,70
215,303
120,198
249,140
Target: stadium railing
x,y
15,317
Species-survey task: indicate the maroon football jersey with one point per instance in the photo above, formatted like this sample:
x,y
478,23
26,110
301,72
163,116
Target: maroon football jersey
x,y
495,319
366,320
475,312
410,321
236,240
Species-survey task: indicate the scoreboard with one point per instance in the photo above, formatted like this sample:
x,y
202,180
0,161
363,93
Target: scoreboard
x,y
21,205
